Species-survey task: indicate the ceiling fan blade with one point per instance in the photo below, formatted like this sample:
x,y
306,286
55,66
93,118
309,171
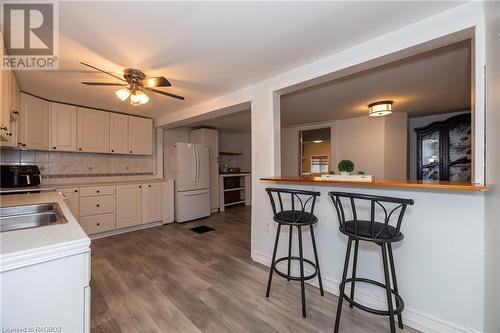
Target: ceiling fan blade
x,y
151,82
105,84
165,93
103,71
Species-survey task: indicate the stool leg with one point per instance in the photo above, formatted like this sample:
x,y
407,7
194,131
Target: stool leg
x,y
273,259
354,265
317,261
289,252
395,283
388,288
301,256
342,285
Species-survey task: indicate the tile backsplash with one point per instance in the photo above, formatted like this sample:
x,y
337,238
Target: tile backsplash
x,y
70,167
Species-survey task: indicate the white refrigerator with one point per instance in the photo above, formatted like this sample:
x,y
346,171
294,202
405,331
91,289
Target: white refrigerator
x,y
188,164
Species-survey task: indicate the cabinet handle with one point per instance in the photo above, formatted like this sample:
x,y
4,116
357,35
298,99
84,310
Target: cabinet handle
x,y
80,149
15,112
54,148
4,128
130,151
76,191
98,223
97,191
140,186
8,134
98,205
24,145
112,150
149,185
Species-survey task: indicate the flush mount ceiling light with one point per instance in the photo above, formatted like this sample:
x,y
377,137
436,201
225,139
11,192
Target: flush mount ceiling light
x,y
379,109
318,141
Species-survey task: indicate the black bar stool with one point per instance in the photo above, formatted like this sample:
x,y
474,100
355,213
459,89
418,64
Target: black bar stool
x,y
380,233
294,217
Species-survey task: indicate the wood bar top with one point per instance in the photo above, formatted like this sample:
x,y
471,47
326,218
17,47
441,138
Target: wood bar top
x,y
424,184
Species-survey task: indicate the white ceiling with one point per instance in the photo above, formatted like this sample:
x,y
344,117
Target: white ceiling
x,y
437,81
206,49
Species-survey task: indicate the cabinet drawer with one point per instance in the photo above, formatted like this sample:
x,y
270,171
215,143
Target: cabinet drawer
x,y
98,223
98,190
96,205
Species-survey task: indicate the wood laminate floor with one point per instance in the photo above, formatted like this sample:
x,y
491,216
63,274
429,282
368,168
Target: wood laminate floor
x,y
170,279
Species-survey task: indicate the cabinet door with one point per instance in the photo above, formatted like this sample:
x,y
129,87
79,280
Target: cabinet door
x,y
71,198
34,123
118,133
212,140
93,131
128,205
4,103
140,136
214,184
63,127
152,198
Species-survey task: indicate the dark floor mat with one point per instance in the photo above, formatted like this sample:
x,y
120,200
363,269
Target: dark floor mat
x,y
201,229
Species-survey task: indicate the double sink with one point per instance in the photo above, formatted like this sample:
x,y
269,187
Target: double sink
x,y
30,216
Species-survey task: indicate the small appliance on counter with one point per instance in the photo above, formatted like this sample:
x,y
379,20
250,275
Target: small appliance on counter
x,y
20,175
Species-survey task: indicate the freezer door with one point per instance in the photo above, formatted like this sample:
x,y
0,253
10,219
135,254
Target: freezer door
x,y
192,205
186,167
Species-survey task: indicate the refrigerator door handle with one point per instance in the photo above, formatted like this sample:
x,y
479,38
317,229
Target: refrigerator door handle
x,y
193,167
197,165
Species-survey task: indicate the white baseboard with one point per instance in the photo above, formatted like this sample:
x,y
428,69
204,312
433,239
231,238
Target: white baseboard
x,y
124,230
413,318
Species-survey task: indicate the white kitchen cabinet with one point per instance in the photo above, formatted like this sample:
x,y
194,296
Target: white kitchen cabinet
x,y
93,131
152,202
34,123
48,296
63,119
140,136
72,199
210,137
128,205
5,101
118,133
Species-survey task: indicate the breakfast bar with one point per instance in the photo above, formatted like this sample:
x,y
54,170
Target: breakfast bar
x,y
442,250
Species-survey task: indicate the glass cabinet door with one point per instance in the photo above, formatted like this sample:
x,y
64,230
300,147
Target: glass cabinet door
x,y
459,152
430,148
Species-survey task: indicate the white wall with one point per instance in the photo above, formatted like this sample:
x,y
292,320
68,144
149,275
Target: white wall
x,y
377,146
170,137
236,142
492,228
417,122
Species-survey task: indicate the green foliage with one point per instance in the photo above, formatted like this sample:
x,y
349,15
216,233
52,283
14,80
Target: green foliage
x,y
331,172
346,166
361,173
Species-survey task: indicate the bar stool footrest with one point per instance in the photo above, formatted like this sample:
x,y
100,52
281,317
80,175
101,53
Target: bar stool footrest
x,y
295,278
397,310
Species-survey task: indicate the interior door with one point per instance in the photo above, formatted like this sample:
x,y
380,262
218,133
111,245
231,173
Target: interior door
x,y
186,168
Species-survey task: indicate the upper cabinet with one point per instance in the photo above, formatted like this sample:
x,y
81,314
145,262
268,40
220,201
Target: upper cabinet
x,y
118,133
140,136
208,137
9,105
93,131
34,123
63,119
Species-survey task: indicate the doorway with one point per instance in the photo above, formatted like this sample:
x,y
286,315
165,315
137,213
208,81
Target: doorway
x,y
315,152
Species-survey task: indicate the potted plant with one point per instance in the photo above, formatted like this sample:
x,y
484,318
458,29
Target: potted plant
x,y
346,167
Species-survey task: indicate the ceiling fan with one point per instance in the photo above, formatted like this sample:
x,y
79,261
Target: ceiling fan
x,y
135,82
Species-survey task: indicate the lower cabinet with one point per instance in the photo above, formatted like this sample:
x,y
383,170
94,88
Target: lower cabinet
x,y
128,205
106,208
152,198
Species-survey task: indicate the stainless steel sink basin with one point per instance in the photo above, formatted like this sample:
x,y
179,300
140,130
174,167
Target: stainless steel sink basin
x,y
30,216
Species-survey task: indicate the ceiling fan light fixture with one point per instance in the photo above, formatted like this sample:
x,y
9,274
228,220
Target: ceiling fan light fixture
x,y
137,97
379,109
122,93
